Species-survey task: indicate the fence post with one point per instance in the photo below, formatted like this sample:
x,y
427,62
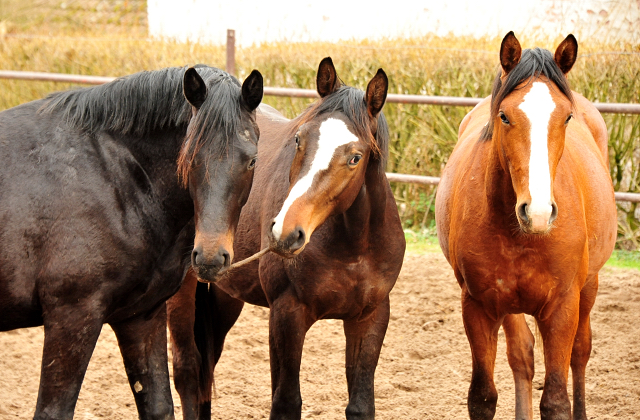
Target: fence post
x,y
231,52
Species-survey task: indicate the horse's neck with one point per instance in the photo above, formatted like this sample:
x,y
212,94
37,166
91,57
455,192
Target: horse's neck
x,y
153,151
157,155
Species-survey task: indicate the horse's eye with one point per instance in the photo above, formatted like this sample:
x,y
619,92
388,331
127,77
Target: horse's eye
x,y
297,140
354,160
252,164
568,118
504,118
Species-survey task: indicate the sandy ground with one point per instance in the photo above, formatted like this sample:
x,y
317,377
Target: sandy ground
x,y
423,372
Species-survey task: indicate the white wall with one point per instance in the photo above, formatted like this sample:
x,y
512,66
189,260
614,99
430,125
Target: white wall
x,y
332,20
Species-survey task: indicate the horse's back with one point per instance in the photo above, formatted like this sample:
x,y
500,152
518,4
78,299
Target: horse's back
x,y
590,118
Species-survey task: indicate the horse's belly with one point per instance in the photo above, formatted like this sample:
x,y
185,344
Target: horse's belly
x,y
19,306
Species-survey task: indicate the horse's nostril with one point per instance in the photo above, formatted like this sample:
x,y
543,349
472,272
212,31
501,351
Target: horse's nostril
x,y
226,259
554,213
522,213
299,240
194,257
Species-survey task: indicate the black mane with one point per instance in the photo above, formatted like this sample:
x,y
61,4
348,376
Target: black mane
x,y
350,101
148,101
533,64
133,105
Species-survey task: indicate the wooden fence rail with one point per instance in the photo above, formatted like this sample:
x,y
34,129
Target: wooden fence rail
x,y
308,93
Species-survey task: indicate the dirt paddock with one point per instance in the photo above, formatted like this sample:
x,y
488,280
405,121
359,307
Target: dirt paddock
x,y
423,372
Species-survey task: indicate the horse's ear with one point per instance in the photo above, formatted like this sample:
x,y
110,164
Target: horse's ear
x,y
252,90
566,53
194,88
510,53
376,93
327,80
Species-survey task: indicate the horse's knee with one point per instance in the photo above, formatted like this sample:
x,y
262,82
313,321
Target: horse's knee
x,y
186,370
286,408
580,353
160,411
185,377
204,410
360,411
482,399
554,403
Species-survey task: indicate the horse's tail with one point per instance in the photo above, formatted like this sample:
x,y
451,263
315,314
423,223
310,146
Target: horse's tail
x,y
204,338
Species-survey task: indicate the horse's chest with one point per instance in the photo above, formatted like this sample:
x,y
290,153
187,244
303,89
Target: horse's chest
x,y
510,279
345,290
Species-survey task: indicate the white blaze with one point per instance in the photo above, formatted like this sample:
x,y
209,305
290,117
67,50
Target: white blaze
x,y
538,106
333,134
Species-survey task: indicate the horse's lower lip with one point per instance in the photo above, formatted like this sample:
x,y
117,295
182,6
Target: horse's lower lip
x,y
528,230
201,280
284,251
208,273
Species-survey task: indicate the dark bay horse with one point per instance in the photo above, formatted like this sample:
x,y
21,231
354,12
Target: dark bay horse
x,y
96,223
322,201
526,217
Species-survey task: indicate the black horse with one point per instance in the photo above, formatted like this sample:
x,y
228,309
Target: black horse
x,y
97,223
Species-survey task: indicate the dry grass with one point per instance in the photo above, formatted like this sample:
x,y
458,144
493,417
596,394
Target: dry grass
x,y
109,38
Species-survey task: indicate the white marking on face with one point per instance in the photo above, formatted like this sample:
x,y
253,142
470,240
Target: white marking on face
x,y
538,106
333,134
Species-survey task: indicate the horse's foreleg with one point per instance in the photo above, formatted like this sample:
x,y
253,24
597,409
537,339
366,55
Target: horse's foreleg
x,y
558,330
143,345
582,348
288,325
364,341
482,332
199,320
520,343
69,340
186,358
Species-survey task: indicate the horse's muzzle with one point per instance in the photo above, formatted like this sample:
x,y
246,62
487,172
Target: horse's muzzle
x,y
208,268
536,223
291,245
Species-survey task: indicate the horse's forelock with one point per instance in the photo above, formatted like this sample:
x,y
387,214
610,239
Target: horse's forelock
x,y
534,63
350,102
215,123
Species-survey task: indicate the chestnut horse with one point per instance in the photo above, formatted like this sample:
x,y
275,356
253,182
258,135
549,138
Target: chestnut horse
x,y
322,202
526,217
96,224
